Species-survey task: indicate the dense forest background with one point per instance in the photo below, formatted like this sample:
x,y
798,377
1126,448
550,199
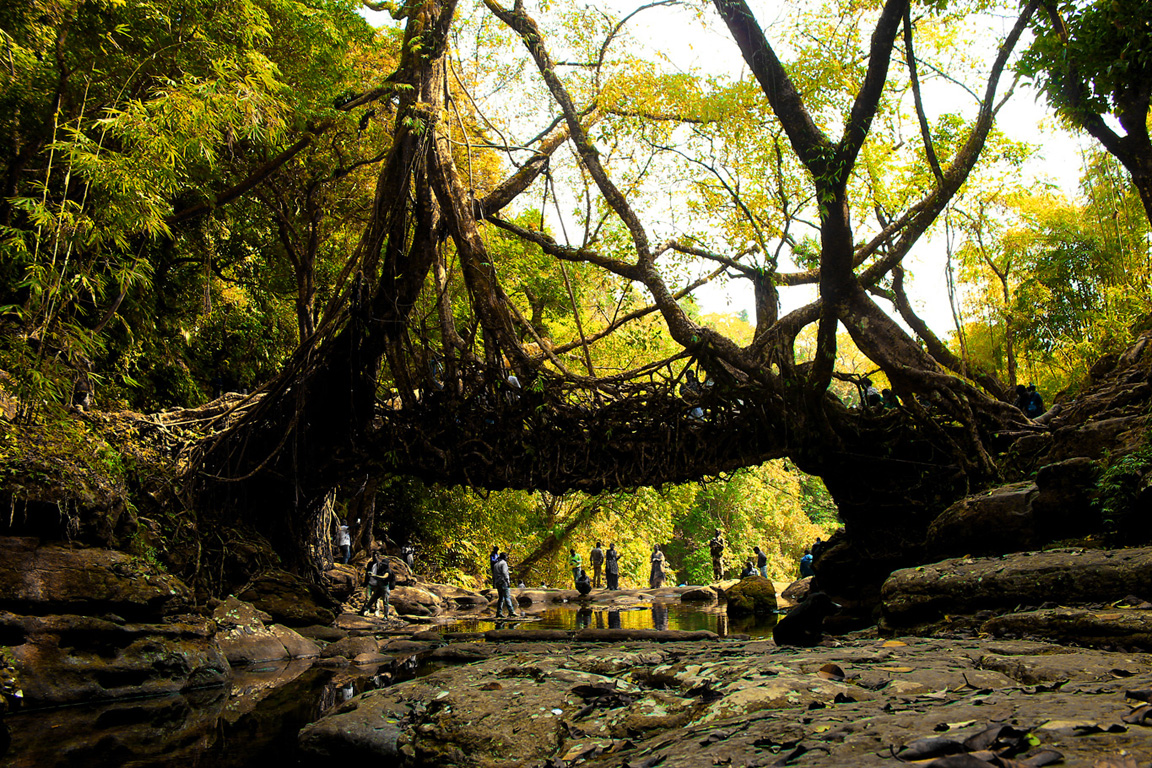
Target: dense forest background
x,y
185,186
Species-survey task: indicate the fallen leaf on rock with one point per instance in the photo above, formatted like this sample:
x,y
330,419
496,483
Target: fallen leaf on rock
x,y
895,669
996,738
788,758
923,749
493,686
1035,760
893,644
714,737
831,672
1139,716
1122,673
1140,694
648,763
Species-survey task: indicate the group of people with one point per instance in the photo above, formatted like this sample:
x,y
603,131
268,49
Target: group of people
x,y
604,562
757,565
1029,400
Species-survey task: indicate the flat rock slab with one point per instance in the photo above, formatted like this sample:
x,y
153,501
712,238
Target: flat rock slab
x,y
924,595
744,704
1125,628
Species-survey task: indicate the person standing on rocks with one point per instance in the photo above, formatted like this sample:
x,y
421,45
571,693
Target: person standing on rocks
x,y
656,578
503,581
716,547
493,556
806,568
381,579
575,563
612,567
344,542
761,562
597,560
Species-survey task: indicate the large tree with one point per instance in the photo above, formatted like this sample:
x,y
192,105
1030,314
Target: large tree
x,y
1093,60
448,410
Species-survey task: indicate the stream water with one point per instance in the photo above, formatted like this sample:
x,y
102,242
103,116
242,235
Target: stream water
x,y
256,720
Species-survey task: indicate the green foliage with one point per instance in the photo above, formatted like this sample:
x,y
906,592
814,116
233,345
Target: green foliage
x,y
1121,486
1109,45
120,115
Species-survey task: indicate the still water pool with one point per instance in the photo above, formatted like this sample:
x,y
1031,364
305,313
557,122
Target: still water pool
x,y
255,721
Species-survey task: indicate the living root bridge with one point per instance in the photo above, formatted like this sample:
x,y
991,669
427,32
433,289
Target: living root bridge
x,y
497,437
548,440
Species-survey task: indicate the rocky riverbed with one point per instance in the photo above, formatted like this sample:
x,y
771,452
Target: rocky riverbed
x,y
859,700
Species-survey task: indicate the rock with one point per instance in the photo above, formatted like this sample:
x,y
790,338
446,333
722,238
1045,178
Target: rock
x,y
413,601
70,659
525,635
1000,520
804,624
402,645
289,599
323,634
528,597
234,612
429,636
352,739
965,586
797,590
37,579
649,635
343,580
298,646
250,645
462,652
244,639
707,704
370,659
1066,503
350,647
754,595
700,595
1126,628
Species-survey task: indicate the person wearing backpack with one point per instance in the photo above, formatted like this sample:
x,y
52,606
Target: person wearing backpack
x,y
380,581
503,581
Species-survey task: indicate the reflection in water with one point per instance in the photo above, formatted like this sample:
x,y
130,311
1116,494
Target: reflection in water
x,y
659,616
253,722
655,615
256,722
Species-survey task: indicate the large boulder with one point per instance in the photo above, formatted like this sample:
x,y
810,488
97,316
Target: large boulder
x,y
39,579
289,599
68,659
700,595
244,638
413,601
84,624
754,595
965,586
1000,520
